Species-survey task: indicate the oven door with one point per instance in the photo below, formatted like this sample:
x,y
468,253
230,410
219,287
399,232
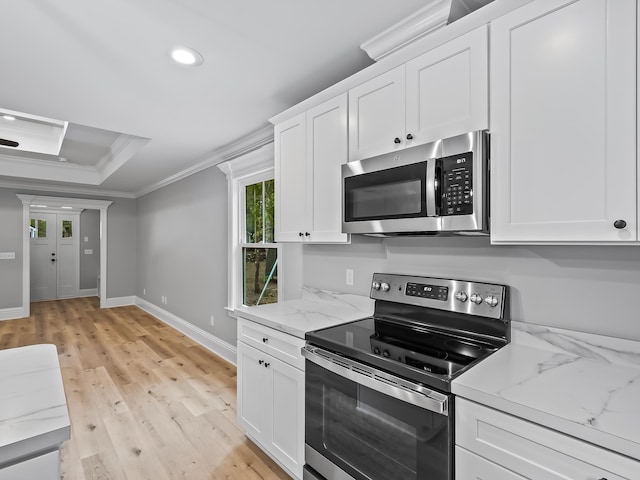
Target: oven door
x,y
364,424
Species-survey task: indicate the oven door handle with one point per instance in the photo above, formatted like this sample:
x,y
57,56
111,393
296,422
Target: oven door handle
x,y
378,380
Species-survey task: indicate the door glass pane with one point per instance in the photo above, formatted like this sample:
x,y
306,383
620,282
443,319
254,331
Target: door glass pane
x,y
260,275
67,229
38,228
253,213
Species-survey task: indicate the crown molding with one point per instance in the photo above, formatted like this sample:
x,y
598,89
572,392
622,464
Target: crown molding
x,y
35,187
428,19
247,144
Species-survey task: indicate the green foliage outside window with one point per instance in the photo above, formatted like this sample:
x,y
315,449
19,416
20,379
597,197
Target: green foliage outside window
x,y
260,264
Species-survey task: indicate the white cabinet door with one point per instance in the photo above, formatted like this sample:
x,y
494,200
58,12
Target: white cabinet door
x,y
287,420
470,466
534,451
563,122
291,180
377,115
326,152
448,89
253,385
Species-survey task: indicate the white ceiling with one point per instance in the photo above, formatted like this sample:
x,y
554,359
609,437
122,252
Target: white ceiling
x,y
103,66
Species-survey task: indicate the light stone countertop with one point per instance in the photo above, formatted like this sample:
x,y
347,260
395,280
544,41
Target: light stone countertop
x,y
33,409
581,384
315,310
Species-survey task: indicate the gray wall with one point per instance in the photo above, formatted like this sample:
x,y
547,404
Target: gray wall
x,y
182,251
10,241
586,288
90,264
121,219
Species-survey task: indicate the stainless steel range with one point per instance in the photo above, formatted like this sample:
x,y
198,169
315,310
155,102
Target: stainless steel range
x,y
378,402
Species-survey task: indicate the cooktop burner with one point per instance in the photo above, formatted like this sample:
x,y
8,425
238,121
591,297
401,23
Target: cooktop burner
x,y
421,329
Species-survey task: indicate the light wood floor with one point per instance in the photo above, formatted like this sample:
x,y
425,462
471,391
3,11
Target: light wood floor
x,y
145,401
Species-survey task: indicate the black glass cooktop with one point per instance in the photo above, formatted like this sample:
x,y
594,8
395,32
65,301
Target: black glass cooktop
x,y
420,353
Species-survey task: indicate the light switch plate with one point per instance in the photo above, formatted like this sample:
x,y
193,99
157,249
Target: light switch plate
x,y
7,255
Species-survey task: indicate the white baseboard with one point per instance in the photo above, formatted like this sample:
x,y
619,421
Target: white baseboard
x,y
204,338
119,302
11,313
88,292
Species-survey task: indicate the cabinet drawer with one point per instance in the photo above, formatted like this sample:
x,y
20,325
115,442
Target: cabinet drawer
x,y
470,466
534,451
281,345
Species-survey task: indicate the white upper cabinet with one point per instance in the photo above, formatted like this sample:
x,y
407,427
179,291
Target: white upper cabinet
x,y
309,150
377,115
326,152
290,179
439,94
563,123
448,89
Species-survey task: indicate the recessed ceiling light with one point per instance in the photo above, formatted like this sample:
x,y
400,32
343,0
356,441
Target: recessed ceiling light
x,y
186,56
9,117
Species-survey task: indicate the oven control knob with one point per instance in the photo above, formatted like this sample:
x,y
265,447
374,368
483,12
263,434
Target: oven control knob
x,y
385,287
375,285
376,350
476,298
461,297
491,301
385,353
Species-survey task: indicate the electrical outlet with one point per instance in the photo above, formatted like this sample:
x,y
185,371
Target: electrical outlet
x,y
212,321
349,278
144,291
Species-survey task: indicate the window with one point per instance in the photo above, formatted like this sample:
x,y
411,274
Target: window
x,y
255,260
67,231
38,228
259,251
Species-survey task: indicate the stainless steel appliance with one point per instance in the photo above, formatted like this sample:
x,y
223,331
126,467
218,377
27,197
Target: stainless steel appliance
x,y
435,188
378,400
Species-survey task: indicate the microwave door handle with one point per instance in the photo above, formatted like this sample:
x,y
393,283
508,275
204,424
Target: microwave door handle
x,y
431,187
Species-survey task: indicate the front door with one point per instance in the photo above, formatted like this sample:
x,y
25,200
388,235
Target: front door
x,y
55,256
44,272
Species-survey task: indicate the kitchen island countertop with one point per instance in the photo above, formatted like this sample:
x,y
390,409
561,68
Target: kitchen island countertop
x,y
581,384
316,309
33,410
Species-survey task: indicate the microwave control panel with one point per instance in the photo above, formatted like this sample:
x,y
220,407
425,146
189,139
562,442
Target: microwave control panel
x,y
456,184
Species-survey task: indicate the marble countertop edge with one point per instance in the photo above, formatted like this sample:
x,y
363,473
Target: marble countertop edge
x,y
33,446
580,432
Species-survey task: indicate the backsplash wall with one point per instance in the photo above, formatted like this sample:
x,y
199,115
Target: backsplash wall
x,y
592,289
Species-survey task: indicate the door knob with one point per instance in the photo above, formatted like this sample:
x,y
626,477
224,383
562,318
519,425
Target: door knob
x,y
53,259
619,224
409,136
396,140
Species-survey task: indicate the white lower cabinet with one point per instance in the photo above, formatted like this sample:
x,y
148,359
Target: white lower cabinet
x,y
492,445
473,467
271,395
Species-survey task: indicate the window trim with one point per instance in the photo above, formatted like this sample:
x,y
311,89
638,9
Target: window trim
x,y
250,168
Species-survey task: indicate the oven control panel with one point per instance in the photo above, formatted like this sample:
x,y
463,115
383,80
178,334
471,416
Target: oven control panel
x,y
421,290
462,296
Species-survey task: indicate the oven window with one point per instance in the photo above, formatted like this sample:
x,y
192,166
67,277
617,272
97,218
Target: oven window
x,y
355,428
373,436
398,192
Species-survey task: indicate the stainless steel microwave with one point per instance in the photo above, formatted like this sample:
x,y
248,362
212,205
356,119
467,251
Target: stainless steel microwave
x,y
435,188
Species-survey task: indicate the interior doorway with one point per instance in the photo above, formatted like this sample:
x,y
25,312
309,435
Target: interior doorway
x,y
35,202
55,253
